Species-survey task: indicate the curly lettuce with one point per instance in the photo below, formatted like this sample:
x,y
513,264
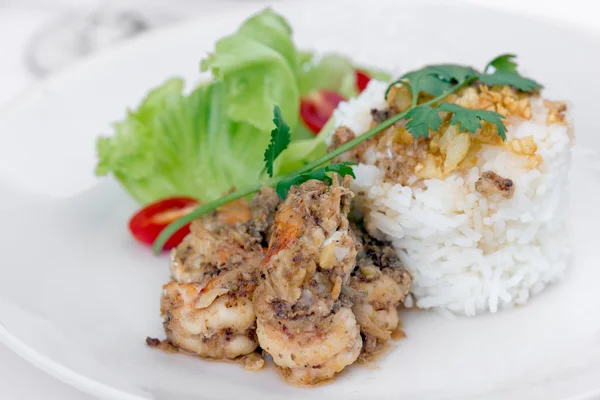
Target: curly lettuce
x,y
258,66
174,144
330,72
207,142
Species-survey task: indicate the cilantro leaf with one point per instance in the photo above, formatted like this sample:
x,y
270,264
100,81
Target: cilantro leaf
x,y
470,120
510,78
451,73
320,174
284,186
504,63
425,81
342,168
505,73
421,119
280,140
434,79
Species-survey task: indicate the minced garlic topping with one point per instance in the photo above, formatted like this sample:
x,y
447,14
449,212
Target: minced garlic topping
x,y
448,149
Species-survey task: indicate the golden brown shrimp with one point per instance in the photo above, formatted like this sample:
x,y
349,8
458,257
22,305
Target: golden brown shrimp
x,y
208,309
214,242
302,321
381,284
225,328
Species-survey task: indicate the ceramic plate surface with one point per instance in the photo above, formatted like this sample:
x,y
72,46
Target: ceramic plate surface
x,y
78,296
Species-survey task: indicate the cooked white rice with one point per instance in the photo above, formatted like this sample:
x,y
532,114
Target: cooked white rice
x,y
468,253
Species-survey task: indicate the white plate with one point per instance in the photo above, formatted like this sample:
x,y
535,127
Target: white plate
x,y
78,296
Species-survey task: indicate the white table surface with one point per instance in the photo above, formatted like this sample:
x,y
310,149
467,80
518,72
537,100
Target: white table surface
x,y
19,19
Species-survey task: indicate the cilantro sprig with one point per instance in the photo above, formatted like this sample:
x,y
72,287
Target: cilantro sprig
x,y
280,140
503,62
511,79
470,120
438,81
423,119
435,79
321,174
505,73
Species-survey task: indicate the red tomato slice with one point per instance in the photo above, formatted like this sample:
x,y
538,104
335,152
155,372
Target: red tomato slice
x,y
362,80
147,223
317,107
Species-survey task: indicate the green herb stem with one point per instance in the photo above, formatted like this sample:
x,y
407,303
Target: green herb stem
x,y
374,131
166,233
208,207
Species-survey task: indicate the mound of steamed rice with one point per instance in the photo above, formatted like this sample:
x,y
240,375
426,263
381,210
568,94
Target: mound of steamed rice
x,y
469,253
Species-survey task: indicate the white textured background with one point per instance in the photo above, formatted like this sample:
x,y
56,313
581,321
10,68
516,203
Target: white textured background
x,y
19,19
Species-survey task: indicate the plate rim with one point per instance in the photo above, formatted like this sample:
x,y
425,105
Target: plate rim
x,y
62,373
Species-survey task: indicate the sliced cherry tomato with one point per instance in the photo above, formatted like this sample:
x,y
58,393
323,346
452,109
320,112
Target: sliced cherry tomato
x,y
147,223
317,108
362,80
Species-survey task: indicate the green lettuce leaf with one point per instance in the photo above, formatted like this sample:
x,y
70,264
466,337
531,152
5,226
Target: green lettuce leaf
x,y
303,151
175,144
377,74
258,65
330,72
205,143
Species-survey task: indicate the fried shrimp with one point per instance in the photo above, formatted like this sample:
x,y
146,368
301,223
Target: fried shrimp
x,y
223,329
303,320
381,284
216,242
207,308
